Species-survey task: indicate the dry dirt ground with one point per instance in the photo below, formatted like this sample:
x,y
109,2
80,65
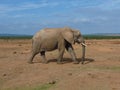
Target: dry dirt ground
x,y
101,70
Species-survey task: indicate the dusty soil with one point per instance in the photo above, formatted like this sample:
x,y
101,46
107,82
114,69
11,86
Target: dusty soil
x,y
101,70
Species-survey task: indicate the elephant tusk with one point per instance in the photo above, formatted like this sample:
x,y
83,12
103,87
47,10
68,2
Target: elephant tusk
x,y
83,44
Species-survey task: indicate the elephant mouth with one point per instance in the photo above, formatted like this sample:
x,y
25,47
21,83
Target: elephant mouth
x,y
83,44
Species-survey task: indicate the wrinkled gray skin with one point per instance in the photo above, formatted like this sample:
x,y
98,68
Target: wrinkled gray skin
x,y
56,38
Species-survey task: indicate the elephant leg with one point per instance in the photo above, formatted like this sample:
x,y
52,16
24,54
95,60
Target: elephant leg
x,y
31,57
44,60
69,48
34,51
60,57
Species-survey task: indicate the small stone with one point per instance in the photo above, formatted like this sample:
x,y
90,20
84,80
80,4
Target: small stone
x,y
52,82
14,52
70,74
92,75
4,74
22,53
19,45
89,74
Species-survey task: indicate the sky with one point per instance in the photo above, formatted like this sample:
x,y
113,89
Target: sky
x,y
88,16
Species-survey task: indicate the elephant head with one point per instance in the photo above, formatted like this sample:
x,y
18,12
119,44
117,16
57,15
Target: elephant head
x,y
74,36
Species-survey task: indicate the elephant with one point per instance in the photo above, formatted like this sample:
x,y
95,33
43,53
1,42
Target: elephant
x,y
50,39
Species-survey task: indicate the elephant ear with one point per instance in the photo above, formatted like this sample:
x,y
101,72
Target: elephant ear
x,y
68,35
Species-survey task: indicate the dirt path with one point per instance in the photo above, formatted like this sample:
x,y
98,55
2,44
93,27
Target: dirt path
x,y
101,70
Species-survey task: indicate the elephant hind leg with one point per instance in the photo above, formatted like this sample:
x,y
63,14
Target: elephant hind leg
x,y
35,50
32,56
42,53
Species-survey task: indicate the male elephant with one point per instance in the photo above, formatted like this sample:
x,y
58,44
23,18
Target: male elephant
x,y
57,38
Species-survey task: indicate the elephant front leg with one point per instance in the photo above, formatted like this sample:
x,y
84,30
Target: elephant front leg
x,y
60,57
69,48
44,60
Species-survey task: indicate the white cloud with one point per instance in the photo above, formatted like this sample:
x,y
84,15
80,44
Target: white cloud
x,y
96,20
110,4
5,8
21,15
85,20
106,4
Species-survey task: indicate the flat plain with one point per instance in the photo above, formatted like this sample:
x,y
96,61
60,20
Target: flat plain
x,y
101,70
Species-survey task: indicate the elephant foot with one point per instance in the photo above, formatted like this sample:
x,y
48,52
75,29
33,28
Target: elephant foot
x,y
82,63
30,62
59,62
75,62
45,62
83,59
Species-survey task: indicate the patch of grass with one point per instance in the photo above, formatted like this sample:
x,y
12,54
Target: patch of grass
x,y
103,68
1,82
85,36
16,37
42,87
100,37
112,68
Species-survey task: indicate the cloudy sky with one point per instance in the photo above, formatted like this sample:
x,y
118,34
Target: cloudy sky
x,y
89,16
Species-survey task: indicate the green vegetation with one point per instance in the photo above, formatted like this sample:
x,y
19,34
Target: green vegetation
x,y
108,68
103,68
85,36
100,37
16,37
43,87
